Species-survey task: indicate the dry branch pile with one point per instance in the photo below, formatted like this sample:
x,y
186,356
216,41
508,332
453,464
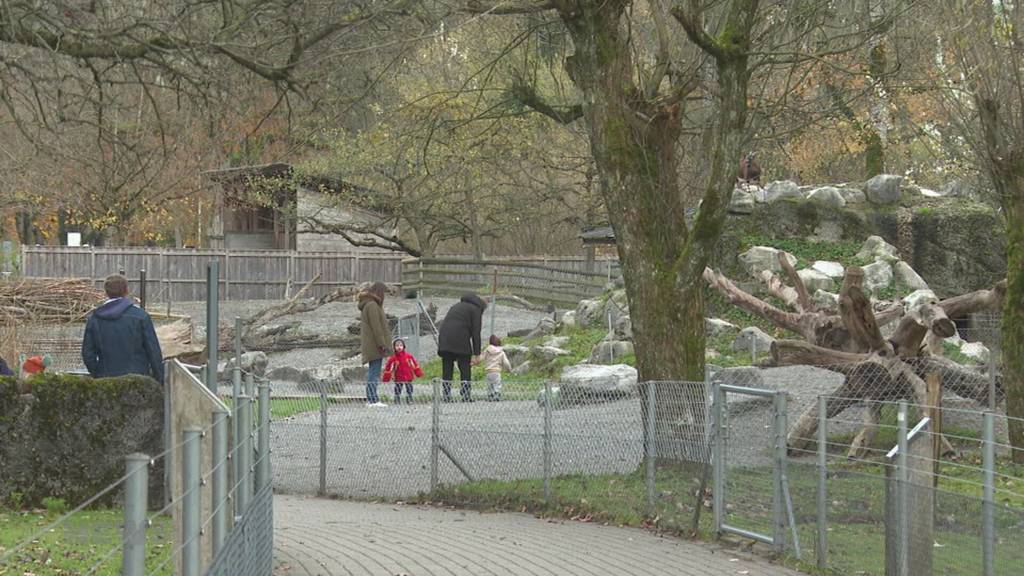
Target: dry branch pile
x,y
849,341
40,300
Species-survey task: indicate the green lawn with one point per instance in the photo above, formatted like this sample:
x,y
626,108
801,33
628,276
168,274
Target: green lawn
x,y
84,542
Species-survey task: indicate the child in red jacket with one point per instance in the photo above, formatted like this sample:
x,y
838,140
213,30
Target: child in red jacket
x,y
403,369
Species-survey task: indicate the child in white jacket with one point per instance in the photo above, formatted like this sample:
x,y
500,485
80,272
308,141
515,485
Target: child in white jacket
x,y
494,359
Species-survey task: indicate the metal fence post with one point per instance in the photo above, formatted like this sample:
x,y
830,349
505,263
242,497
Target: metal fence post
x,y
778,496
136,491
435,424
190,503
652,445
902,478
547,442
142,288
212,323
323,443
718,456
236,395
245,454
250,385
263,464
219,480
821,548
992,366
988,504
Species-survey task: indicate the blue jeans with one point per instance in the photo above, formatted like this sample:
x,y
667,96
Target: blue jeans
x,y
372,379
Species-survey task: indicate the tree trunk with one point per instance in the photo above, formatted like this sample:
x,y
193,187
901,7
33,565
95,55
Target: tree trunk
x,y
1013,318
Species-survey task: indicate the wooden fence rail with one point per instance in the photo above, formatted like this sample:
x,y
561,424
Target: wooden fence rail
x,y
557,284
180,275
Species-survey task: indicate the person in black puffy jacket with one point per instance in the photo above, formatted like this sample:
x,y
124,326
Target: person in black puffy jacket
x,y
120,338
458,341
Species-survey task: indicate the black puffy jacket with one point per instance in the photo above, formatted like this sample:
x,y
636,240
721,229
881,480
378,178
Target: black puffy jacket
x,y
460,329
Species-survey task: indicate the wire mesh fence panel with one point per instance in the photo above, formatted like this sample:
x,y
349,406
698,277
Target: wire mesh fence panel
x,y
1008,545
682,422
748,450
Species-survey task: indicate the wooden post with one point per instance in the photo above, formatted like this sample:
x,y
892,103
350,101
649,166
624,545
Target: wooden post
x,y
933,393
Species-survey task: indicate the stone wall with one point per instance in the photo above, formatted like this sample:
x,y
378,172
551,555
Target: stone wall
x,y
68,435
956,244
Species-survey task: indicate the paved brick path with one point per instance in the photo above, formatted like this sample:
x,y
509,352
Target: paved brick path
x,y
329,537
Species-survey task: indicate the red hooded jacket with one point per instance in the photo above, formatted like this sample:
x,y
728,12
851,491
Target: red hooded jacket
x,y
402,367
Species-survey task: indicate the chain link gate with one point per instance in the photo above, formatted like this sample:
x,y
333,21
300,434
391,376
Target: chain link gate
x,y
751,490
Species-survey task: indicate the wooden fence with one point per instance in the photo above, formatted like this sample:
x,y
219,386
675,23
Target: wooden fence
x,y
180,275
562,284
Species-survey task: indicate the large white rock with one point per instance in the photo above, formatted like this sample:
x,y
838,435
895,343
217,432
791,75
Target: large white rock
x,y
547,353
883,189
918,298
588,312
782,189
826,300
875,248
742,202
557,341
928,193
908,277
853,195
715,327
815,280
877,275
827,196
569,319
829,268
975,351
610,351
598,380
516,353
760,258
751,338
624,328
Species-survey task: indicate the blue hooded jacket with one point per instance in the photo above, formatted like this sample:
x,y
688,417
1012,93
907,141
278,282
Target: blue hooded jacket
x,y
120,339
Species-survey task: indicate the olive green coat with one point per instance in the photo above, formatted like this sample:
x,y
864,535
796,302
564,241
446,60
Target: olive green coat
x,y
375,337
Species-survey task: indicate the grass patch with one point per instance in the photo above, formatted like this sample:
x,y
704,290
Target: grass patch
x,y
807,251
80,544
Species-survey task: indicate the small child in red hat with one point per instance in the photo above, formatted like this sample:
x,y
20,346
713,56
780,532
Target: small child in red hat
x,y
403,369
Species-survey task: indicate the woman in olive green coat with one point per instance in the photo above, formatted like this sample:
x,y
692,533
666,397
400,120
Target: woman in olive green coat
x,y
374,337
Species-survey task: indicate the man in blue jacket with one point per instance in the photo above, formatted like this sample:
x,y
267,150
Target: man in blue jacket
x,y
120,338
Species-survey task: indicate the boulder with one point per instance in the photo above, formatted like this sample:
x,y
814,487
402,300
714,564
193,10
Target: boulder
x,y
827,197
917,298
252,362
975,351
815,280
749,376
875,248
290,373
519,332
584,381
556,397
569,319
545,327
742,202
853,195
557,341
715,327
545,354
781,189
752,338
908,277
619,298
829,268
328,379
954,188
588,312
516,353
928,193
522,368
607,351
883,189
877,275
826,300
760,258
624,328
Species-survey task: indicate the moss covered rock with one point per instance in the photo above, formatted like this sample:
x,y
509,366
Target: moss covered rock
x,y
68,437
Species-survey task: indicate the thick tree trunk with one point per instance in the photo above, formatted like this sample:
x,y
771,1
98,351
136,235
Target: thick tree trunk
x,y
1013,319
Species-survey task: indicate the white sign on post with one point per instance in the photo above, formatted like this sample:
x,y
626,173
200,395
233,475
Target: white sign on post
x,y
74,238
